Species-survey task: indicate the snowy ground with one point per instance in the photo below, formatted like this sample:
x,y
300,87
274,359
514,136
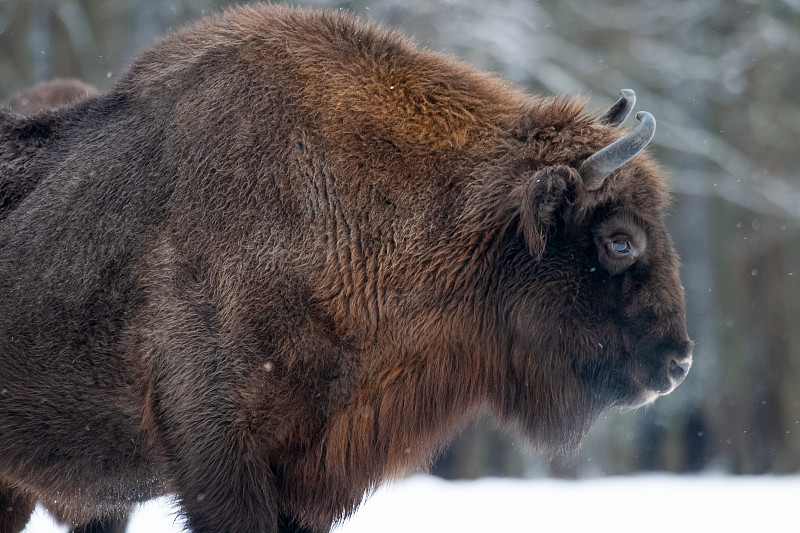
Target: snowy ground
x,y
654,504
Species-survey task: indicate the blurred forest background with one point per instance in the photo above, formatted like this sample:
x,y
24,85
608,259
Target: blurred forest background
x,y
721,78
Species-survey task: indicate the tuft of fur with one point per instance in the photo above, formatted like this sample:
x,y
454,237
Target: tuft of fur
x,y
288,256
49,94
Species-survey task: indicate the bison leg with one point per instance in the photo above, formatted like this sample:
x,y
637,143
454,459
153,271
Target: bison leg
x,y
16,507
220,485
220,491
105,525
214,462
108,519
288,525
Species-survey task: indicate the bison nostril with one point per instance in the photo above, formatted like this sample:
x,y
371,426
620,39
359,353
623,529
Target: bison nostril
x,y
678,370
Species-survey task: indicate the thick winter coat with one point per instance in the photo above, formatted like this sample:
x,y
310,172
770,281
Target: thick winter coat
x,y
288,255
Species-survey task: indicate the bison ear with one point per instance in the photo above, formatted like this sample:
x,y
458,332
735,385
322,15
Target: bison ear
x,y
546,193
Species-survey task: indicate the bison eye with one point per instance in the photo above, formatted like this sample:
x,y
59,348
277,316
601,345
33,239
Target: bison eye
x,y
621,242
621,251
620,247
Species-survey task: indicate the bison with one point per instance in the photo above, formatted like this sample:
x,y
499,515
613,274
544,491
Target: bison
x,y
289,255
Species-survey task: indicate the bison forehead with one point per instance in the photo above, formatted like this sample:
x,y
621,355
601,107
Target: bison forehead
x,y
639,186
560,131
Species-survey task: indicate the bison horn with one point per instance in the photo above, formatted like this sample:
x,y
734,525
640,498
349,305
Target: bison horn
x,y
600,164
618,112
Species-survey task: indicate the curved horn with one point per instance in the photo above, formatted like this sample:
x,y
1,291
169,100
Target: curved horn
x,y
618,112
600,164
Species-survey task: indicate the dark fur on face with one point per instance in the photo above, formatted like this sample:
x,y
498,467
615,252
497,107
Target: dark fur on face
x,y
289,255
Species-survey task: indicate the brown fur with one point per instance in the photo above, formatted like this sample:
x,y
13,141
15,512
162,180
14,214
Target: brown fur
x,y
289,255
42,96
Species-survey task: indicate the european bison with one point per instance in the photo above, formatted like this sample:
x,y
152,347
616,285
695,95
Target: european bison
x,y
289,254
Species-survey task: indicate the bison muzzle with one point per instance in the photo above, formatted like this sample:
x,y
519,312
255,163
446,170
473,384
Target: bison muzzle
x,y
288,255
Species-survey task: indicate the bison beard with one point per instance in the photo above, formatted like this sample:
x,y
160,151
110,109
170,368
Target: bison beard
x,y
289,255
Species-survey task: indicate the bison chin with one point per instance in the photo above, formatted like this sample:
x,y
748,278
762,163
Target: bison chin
x,y
665,367
556,414
654,369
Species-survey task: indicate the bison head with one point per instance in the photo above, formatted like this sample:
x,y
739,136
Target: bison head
x,y
591,298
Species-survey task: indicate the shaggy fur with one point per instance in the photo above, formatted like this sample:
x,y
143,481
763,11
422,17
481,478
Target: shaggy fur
x,y
40,97
289,255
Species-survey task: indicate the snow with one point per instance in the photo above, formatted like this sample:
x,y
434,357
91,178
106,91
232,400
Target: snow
x,y
652,503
